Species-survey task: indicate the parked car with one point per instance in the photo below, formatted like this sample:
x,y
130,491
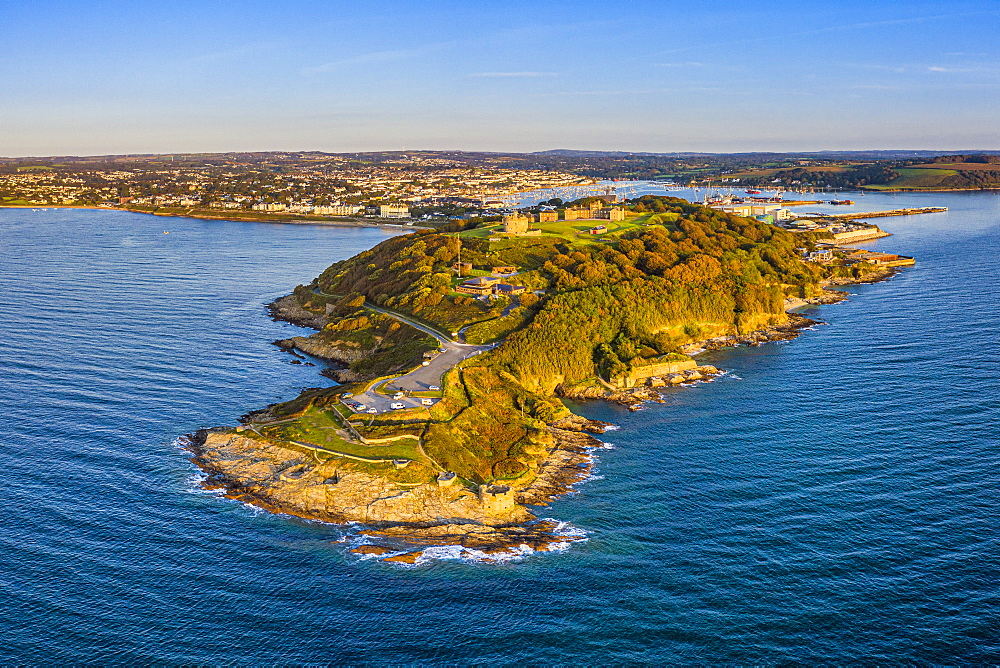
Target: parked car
x,y
425,363
427,402
396,406
373,411
399,395
433,387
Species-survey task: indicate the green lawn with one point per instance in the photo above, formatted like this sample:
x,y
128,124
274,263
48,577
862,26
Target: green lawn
x,y
916,178
319,427
572,231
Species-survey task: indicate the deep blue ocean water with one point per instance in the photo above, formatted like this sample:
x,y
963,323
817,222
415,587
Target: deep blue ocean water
x,y
834,499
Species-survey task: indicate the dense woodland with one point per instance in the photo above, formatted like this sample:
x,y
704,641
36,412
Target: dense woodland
x,y
692,273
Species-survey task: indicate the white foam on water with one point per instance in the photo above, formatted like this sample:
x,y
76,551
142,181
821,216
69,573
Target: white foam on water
x,y
612,427
566,529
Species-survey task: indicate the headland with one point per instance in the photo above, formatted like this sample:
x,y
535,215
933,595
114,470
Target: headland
x,y
453,352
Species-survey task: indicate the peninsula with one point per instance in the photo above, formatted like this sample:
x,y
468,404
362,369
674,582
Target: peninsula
x,y
453,352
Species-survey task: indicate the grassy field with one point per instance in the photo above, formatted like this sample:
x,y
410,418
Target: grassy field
x,y
916,178
571,231
754,173
960,166
319,427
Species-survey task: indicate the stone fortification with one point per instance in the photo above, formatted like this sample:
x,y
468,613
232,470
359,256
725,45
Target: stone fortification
x,y
637,375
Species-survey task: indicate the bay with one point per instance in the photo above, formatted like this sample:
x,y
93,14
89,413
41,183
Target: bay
x,y
832,499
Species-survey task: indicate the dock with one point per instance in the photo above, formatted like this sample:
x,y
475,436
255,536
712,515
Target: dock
x,y
886,214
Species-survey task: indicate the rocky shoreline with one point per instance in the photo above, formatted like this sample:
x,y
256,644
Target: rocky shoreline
x,y
406,524
399,523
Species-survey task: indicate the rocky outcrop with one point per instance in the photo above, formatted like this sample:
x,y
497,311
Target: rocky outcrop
x,y
317,347
634,397
403,519
827,297
281,479
637,374
580,424
783,332
873,276
568,463
405,546
289,309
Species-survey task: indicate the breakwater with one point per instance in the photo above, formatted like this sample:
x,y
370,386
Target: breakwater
x,y
886,214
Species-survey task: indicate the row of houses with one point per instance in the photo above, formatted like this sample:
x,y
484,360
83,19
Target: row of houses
x,y
382,211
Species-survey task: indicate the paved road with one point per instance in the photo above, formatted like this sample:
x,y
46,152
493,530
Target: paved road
x,y
422,378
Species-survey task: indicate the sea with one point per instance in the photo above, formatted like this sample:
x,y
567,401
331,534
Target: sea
x,y
832,499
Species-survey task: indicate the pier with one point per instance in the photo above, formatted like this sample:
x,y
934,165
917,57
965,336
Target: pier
x,y
886,214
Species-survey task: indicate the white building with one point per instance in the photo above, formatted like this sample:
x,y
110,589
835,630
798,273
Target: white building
x,y
391,211
338,210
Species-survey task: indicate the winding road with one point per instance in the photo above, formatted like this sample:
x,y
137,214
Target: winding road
x,y
422,378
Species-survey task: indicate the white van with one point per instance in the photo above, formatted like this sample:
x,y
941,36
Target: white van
x,y
396,406
427,402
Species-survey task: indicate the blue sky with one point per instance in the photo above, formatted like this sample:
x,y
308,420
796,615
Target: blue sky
x,y
114,77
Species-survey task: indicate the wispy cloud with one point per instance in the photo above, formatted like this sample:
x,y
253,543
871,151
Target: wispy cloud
x,y
512,75
959,70
376,57
689,63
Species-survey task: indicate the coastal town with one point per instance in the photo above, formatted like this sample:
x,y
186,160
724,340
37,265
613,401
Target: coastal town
x,y
396,186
